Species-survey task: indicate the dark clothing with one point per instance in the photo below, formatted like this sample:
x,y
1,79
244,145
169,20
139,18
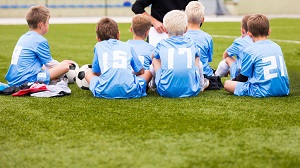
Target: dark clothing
x,y
159,7
240,78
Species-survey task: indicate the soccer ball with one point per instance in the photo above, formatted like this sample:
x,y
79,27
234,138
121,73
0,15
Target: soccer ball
x,y
80,77
71,74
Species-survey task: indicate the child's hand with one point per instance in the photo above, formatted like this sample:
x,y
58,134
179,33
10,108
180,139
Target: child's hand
x,y
70,62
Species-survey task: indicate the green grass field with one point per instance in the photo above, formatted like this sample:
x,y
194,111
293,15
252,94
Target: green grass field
x,y
214,129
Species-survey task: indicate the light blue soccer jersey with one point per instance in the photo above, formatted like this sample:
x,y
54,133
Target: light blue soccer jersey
x,y
205,43
178,76
264,65
236,49
30,53
115,60
143,50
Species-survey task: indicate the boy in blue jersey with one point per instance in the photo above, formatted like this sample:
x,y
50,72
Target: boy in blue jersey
x,y
263,71
140,26
176,59
195,14
31,60
116,70
229,63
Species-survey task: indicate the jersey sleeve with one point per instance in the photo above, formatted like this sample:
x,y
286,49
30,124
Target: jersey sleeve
x,y
156,51
234,49
198,51
147,62
43,52
247,64
135,62
95,64
210,51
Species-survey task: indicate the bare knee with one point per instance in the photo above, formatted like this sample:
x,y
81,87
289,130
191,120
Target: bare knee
x,y
229,86
64,67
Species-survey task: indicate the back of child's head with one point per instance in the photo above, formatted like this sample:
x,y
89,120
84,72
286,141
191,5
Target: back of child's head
x,y
258,25
244,22
175,22
106,29
140,24
37,14
195,12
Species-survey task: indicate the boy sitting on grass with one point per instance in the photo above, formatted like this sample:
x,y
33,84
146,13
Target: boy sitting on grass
x,y
263,72
140,26
195,13
236,49
31,60
111,75
176,59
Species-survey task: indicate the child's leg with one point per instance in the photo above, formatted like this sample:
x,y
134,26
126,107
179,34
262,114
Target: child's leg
x,y
147,75
222,69
204,83
152,81
89,75
230,85
59,70
156,64
200,66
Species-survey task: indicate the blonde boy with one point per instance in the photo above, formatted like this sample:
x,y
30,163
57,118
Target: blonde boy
x,y
176,59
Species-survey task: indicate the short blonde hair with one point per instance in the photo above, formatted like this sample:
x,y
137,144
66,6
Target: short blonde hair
x,y
106,29
195,12
37,14
140,24
175,22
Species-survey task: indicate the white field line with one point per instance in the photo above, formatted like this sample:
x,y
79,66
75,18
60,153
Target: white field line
x,y
275,40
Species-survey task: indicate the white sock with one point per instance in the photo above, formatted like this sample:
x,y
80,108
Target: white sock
x,y
152,81
222,69
152,70
201,73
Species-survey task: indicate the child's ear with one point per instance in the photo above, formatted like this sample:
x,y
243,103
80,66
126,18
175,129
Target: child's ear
x,y
202,21
118,36
98,39
249,34
243,30
131,30
147,33
40,25
269,32
186,29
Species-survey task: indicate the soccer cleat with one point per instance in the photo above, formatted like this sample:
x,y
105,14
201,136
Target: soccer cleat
x,y
205,84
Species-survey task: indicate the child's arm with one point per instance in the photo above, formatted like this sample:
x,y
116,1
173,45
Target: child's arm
x,y
89,74
225,54
142,71
51,64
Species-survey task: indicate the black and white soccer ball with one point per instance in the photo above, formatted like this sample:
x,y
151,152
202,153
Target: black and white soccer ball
x,y
80,77
71,74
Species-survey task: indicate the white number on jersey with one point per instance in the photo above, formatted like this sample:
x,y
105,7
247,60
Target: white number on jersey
x,y
119,60
181,51
273,65
142,59
16,55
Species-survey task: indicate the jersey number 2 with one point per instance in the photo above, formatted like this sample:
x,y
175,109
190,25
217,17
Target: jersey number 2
x,y
273,65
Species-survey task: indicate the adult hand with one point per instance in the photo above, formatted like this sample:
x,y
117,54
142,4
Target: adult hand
x,y
159,27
